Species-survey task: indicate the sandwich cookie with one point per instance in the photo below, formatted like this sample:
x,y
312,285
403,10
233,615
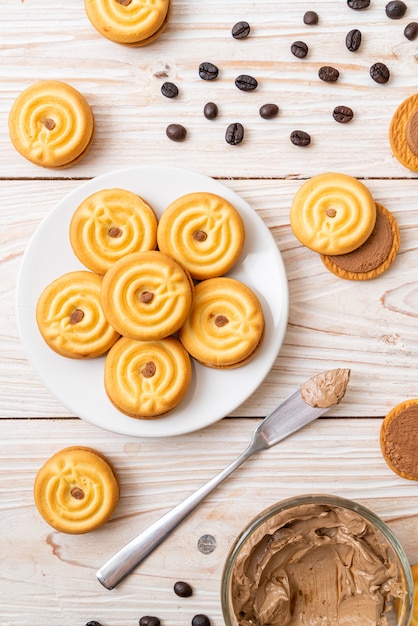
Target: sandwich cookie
x,y
398,436
403,133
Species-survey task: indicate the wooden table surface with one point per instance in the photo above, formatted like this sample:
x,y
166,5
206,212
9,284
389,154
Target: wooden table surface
x,y
48,578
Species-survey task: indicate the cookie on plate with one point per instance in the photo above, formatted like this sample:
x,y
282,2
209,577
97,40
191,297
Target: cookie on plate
x,y
203,232
333,213
110,224
51,124
70,317
76,490
146,295
146,379
398,437
403,133
129,22
226,325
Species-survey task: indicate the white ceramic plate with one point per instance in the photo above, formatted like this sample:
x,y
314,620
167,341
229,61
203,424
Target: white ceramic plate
x,y
78,384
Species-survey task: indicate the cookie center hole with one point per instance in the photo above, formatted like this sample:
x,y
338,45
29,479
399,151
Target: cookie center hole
x,y
146,297
77,493
124,3
199,235
115,232
49,123
331,212
221,320
76,316
149,369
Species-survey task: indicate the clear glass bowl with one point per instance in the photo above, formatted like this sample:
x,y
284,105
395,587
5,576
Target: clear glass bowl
x,y
258,528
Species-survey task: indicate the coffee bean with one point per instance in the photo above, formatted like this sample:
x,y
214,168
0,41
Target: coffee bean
x,y
169,90
343,114
353,40
246,83
380,73
176,132
299,49
300,138
411,31
268,111
358,5
200,620
395,9
234,134
210,111
310,18
328,74
240,30
208,71
182,589
149,620
93,623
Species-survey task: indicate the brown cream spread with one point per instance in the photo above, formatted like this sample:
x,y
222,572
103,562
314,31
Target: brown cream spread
x,y
325,389
316,565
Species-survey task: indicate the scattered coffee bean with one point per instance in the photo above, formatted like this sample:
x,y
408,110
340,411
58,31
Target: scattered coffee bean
x,y
176,132
380,73
234,134
169,90
300,138
310,18
200,620
93,623
395,9
240,30
411,31
246,83
353,40
343,114
208,71
182,589
210,111
358,5
328,74
268,111
149,620
299,49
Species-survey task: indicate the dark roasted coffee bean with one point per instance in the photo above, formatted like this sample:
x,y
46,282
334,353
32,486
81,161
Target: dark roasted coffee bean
x,y
353,40
240,30
149,620
93,623
358,5
246,83
268,111
411,31
328,74
343,114
182,589
169,90
300,138
234,134
176,132
200,620
380,73
210,110
310,18
395,9
299,49
208,71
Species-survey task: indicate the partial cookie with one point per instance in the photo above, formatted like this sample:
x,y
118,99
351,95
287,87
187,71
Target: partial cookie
x,y
414,618
146,295
398,439
333,213
403,135
226,324
129,22
110,224
51,124
203,232
373,257
70,317
146,379
76,490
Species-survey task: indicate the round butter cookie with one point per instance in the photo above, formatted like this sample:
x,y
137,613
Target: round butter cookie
x,y
332,213
146,295
129,22
376,254
398,437
146,379
71,319
110,224
203,232
226,323
51,124
76,490
403,133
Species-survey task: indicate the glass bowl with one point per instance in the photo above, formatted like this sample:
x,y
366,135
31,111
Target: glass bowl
x,y
317,560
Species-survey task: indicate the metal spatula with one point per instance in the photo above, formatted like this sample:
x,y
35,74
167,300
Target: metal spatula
x,y
288,417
